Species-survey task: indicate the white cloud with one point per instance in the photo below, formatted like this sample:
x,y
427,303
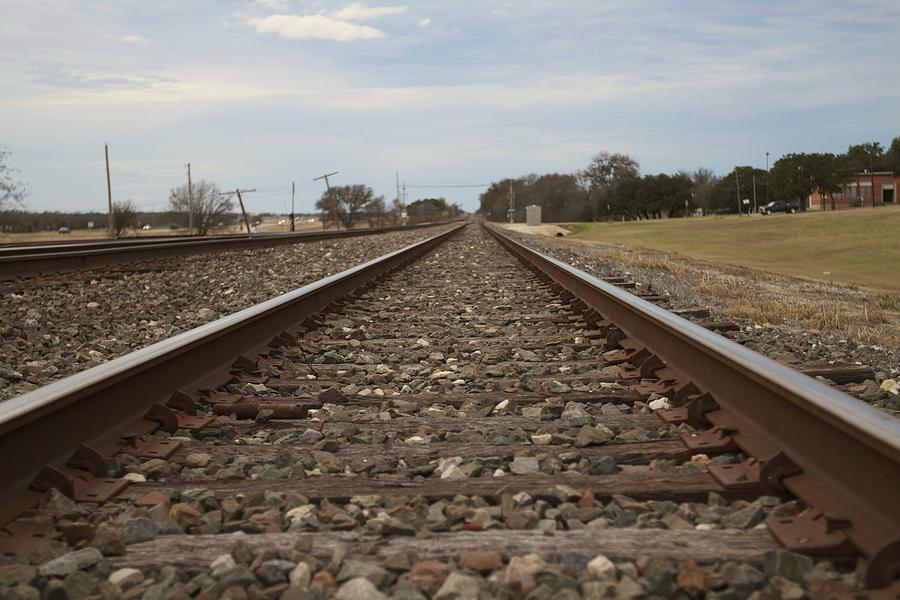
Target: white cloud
x,y
425,22
361,12
315,27
130,39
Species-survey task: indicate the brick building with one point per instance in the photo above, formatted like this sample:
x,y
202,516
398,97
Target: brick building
x,y
859,192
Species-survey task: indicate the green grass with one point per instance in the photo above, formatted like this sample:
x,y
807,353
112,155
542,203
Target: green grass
x,y
855,247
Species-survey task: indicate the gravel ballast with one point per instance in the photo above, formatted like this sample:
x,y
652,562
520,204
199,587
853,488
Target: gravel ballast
x,y
55,326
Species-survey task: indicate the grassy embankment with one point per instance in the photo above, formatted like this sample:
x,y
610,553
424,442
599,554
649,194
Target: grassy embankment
x,y
858,247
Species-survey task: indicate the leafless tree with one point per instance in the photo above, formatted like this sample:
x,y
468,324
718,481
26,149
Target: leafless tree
x,y
124,214
376,212
342,205
208,206
12,191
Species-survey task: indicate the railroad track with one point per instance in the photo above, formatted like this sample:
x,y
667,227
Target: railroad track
x,y
37,258
464,417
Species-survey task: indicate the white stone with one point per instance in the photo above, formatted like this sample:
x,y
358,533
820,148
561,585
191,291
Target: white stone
x,y
134,477
125,578
300,576
660,404
541,439
601,567
416,439
222,564
501,406
453,473
423,342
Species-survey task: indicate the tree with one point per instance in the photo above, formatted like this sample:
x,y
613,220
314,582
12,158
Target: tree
x,y
703,182
796,176
869,156
426,210
723,197
124,215
604,172
396,213
341,205
208,206
892,156
12,191
376,212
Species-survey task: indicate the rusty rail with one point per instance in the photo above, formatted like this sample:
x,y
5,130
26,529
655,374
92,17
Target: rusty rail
x,y
58,435
32,259
839,455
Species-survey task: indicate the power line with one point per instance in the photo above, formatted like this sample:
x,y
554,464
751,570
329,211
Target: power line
x,y
452,185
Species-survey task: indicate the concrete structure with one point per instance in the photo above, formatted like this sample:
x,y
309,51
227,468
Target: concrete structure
x,y
859,192
533,214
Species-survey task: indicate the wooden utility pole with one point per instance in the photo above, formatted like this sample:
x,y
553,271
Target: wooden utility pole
x,y
238,193
293,189
737,182
754,192
190,202
511,210
328,191
109,192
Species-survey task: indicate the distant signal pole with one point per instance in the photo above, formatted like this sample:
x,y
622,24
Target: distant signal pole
x,y
292,205
238,192
327,187
511,210
190,201
109,220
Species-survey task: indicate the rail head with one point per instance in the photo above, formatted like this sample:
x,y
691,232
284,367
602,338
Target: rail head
x,y
847,451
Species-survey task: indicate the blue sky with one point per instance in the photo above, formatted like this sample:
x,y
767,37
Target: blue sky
x,y
260,93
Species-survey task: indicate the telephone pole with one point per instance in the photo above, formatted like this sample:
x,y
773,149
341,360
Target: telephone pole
x,y
754,192
737,181
767,178
293,188
109,192
328,191
511,210
238,192
190,202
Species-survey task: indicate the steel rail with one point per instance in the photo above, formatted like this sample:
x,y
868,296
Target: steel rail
x,y
16,261
842,455
93,407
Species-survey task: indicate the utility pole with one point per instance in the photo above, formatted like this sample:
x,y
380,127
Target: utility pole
x,y
754,192
737,181
293,189
767,178
109,191
190,202
511,210
238,192
328,191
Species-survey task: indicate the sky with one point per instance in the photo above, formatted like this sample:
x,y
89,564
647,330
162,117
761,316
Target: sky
x,y
260,93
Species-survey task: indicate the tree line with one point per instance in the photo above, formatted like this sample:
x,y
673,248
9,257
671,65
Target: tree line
x,y
612,187
348,205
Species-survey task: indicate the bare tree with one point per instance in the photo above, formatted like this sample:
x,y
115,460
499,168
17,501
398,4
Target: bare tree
x,y
12,191
208,206
124,214
396,212
704,182
376,212
342,205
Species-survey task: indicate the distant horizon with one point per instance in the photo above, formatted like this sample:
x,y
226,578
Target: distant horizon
x,y
257,93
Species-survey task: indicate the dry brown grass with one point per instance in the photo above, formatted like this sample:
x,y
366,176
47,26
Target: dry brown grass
x,y
760,297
